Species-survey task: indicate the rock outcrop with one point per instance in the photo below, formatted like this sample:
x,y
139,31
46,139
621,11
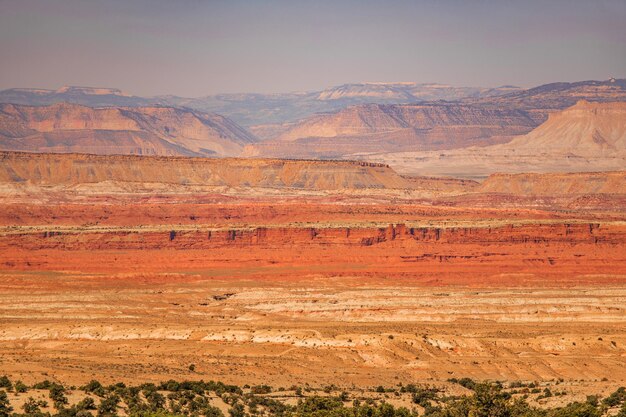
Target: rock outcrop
x,y
130,173
119,130
65,170
400,234
378,128
585,137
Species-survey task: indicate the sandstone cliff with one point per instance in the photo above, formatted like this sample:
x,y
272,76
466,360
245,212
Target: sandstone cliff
x,y
585,137
379,128
559,95
71,169
134,173
474,120
118,130
400,234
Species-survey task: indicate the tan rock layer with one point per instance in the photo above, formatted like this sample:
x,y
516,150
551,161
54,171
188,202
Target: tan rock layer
x,y
119,130
69,170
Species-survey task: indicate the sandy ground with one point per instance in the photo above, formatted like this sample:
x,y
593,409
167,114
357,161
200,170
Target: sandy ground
x,y
325,331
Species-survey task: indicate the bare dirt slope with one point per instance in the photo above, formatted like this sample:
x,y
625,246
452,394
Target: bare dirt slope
x,y
610,183
586,137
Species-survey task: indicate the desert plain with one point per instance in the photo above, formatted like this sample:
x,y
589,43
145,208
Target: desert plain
x,y
370,282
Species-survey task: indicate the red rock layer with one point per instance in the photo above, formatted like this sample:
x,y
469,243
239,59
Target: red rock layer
x,y
588,233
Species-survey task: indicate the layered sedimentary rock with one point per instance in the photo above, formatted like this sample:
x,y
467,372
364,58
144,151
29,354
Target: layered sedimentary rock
x,y
71,169
255,109
111,238
611,183
252,110
585,137
558,96
119,130
586,129
478,120
379,128
126,173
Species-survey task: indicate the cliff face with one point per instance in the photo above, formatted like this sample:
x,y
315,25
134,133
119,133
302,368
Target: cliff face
x,y
374,118
397,235
70,169
585,137
559,96
256,111
475,120
131,173
380,128
117,130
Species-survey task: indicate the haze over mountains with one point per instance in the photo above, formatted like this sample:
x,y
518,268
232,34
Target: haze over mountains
x,y
585,137
430,125
254,109
64,127
374,127
429,129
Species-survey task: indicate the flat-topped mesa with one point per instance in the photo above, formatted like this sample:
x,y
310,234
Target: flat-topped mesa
x,y
72,89
72,169
385,128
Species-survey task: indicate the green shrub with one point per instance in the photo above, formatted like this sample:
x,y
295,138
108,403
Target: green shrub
x,y
20,387
5,406
5,382
57,395
616,398
42,385
237,410
576,410
261,389
92,386
86,403
108,406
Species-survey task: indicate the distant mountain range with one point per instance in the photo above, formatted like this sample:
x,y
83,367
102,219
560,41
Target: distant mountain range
x,y
65,127
481,120
396,123
394,127
585,137
270,109
258,109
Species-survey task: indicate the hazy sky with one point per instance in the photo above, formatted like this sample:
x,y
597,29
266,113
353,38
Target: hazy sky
x,y
194,48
